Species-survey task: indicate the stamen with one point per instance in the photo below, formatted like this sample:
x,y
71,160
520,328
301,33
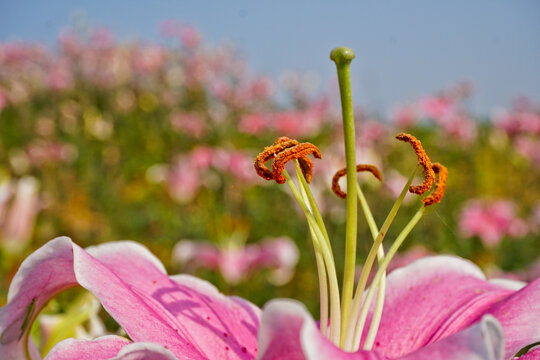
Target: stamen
x,y
423,159
440,186
321,243
359,168
297,152
272,151
306,165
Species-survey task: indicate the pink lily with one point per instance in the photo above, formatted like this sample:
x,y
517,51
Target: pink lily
x,y
236,262
491,221
435,309
17,224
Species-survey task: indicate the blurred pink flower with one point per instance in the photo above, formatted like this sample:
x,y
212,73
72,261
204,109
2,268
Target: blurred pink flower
x,y
405,116
183,181
254,124
528,147
436,107
40,152
491,221
296,123
149,59
370,132
202,157
191,123
261,88
70,43
446,110
17,217
189,36
60,75
460,127
190,172
520,119
289,123
237,262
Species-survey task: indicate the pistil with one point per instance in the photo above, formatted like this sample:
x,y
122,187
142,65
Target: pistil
x,y
343,56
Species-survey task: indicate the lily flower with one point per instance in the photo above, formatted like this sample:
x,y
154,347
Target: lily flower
x,y
235,261
437,307
17,220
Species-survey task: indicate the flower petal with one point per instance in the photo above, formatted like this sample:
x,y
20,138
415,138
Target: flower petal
x,y
102,348
186,315
41,276
482,341
519,316
145,351
131,284
288,332
431,299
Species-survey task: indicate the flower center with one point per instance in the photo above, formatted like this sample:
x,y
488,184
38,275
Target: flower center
x,y
343,314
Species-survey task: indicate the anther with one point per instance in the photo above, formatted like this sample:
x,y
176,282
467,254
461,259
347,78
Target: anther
x,y
440,186
300,152
272,151
359,168
423,160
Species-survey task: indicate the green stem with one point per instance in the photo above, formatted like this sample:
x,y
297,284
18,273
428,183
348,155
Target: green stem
x,y
343,56
371,257
369,296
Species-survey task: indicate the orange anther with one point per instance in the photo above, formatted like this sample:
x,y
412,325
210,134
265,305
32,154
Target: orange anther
x,y
359,168
440,186
270,152
300,152
423,160
290,147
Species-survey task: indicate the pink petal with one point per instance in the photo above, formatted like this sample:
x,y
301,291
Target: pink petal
x,y
431,299
102,348
519,316
41,276
145,351
484,340
186,315
288,332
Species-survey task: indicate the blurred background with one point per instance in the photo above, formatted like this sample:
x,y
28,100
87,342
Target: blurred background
x,y
141,121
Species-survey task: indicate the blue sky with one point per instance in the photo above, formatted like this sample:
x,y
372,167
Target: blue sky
x,y
404,49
